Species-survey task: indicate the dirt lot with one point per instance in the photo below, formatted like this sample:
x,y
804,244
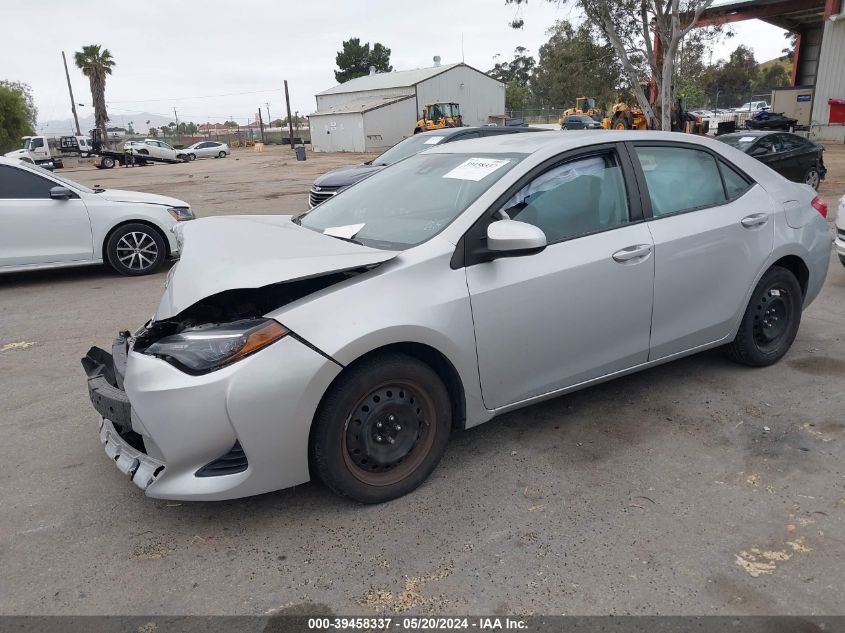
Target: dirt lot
x,y
696,487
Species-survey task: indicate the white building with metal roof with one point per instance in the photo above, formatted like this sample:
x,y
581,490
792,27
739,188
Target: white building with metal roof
x,y
373,112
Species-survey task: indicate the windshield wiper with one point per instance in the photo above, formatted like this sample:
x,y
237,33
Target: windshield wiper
x,y
345,239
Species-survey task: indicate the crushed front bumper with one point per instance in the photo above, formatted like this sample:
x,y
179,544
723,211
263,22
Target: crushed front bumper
x,y
105,388
238,431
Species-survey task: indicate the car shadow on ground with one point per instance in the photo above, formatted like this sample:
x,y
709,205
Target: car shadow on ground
x,y
91,272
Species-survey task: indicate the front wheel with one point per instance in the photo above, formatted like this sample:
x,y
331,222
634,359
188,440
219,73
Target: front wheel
x,y
135,249
192,156
381,429
221,154
771,320
107,162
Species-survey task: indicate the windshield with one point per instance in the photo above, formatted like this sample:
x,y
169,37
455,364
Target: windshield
x,y
738,141
408,147
411,201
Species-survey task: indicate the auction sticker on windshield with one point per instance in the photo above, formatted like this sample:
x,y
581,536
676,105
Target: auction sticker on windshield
x,y
434,140
476,168
347,232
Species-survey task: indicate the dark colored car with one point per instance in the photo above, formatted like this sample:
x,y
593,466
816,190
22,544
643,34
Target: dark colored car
x,y
335,181
765,120
580,122
793,157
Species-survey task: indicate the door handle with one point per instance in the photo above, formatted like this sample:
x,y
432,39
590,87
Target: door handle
x,y
754,220
630,253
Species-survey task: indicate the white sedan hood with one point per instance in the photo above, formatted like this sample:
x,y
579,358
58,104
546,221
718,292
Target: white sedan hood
x,y
119,195
250,251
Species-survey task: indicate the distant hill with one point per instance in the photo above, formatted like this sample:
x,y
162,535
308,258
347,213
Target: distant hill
x,y
783,61
59,127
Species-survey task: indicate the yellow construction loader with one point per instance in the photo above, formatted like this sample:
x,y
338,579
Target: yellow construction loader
x,y
437,115
583,105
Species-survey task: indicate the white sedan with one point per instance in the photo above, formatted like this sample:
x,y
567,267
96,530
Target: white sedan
x,y
47,221
156,149
207,149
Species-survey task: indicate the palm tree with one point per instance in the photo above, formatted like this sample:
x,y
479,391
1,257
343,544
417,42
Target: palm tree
x,y
95,64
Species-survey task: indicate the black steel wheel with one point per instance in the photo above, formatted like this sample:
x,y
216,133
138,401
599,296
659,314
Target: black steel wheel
x,y
381,429
135,249
771,320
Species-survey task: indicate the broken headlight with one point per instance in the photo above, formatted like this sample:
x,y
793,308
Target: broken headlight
x,y
204,348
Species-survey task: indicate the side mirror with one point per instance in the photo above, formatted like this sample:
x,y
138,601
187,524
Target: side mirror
x,y
515,238
60,193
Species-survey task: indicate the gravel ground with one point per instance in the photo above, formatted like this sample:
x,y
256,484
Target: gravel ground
x,y
697,487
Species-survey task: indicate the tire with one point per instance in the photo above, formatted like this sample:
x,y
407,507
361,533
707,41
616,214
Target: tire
x,y
185,158
107,162
621,123
221,154
192,156
771,320
812,177
136,249
403,412
417,130
842,259
145,152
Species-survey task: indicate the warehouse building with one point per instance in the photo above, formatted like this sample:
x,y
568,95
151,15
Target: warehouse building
x,y
817,95
373,112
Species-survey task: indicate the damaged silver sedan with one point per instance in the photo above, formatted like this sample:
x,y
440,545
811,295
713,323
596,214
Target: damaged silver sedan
x,y
470,280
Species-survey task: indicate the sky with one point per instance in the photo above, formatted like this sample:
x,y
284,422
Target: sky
x,y
214,61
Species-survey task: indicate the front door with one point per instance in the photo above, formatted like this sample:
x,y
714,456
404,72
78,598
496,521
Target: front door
x,y
577,310
713,231
34,228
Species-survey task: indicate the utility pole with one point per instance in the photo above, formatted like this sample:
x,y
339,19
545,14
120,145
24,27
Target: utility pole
x,y
290,120
72,100
177,117
269,120
261,124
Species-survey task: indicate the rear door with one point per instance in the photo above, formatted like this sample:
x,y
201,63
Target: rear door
x,y
580,308
713,230
34,228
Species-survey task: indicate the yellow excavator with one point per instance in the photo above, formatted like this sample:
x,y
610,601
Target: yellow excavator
x,y
439,114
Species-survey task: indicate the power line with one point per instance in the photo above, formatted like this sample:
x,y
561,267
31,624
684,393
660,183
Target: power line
x,y
226,94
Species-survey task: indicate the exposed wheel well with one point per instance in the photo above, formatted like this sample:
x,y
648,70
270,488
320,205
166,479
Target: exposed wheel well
x,y
144,222
797,267
439,363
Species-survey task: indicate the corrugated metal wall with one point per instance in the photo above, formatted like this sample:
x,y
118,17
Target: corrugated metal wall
x,y
478,95
386,126
830,83
330,101
337,132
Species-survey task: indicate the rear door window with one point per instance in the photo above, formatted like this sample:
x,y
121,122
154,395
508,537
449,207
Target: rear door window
x,y
680,179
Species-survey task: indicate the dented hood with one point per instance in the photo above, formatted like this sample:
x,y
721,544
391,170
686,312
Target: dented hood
x,y
251,251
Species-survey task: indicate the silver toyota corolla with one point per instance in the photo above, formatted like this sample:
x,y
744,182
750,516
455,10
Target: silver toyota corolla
x,y
466,281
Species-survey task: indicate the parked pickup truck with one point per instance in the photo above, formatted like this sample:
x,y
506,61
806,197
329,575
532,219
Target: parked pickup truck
x,y
156,149
35,150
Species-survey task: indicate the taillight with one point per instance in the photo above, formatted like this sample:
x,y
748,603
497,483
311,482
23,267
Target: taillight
x,y
820,206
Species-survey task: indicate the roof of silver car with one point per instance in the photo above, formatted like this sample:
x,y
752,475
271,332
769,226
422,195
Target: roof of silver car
x,y
559,141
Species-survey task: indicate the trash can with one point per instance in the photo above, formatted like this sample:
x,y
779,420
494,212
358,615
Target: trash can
x,y
300,152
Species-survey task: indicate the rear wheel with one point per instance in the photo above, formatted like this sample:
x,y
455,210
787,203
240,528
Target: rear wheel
x,y
107,162
621,123
771,320
221,154
135,249
382,429
812,177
